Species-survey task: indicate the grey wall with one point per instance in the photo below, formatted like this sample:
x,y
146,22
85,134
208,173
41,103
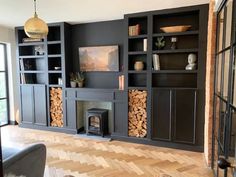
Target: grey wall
x,y
98,34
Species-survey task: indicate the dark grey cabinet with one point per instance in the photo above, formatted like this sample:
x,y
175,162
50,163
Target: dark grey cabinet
x,y
27,104
184,114
33,102
120,123
71,114
174,115
161,129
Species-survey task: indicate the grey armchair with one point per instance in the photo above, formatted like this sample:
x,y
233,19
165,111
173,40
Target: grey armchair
x,y
29,162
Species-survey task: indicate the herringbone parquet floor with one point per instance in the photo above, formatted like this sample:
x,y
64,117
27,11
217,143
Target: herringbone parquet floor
x,y
70,155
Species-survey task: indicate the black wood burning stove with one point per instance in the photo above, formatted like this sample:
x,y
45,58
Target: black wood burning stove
x,y
97,121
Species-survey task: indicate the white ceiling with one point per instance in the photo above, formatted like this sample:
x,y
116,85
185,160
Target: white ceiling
x,y
16,12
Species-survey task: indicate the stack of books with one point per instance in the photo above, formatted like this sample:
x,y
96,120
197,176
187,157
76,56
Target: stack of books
x,y
134,30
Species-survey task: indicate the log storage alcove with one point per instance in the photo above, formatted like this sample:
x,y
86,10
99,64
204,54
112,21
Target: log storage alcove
x,y
137,113
56,107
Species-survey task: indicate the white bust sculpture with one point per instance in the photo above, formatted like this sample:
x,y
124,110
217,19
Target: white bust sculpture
x,y
192,58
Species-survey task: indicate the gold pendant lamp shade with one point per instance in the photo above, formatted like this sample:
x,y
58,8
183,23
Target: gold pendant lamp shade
x,y
36,27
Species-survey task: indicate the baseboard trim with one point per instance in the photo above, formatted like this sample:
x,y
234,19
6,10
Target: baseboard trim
x,y
13,122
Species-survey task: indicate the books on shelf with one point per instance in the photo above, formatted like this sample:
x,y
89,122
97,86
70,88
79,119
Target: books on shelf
x,y
156,62
121,82
134,30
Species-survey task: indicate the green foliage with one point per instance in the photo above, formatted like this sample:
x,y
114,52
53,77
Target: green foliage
x,y
160,43
77,77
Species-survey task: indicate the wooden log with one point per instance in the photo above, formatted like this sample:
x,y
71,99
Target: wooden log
x,y
137,113
56,109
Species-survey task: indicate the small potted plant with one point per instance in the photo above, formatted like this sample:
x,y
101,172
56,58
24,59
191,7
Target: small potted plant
x,y
73,80
160,43
80,79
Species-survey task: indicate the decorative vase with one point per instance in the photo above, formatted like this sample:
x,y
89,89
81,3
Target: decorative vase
x,y
73,84
138,66
80,84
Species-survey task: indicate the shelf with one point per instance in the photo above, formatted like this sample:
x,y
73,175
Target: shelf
x,y
137,53
31,44
32,56
137,88
137,72
32,84
54,71
175,51
176,34
138,36
55,85
176,88
54,56
54,42
175,71
32,72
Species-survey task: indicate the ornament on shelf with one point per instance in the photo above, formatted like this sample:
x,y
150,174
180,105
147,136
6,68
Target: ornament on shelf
x,y
138,65
192,58
174,43
160,43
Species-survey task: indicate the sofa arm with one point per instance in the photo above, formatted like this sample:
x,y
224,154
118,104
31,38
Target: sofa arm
x,y
29,162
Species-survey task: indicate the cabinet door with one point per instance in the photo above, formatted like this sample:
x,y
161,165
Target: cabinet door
x,y
27,104
161,114
40,107
71,117
184,116
120,115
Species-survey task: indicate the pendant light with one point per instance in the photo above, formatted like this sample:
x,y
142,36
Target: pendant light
x,y
35,27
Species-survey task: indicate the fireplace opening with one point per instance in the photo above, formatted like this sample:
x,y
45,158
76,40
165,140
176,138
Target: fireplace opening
x,y
97,121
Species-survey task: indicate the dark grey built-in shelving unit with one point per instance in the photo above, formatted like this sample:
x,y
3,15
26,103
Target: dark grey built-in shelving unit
x,y
175,115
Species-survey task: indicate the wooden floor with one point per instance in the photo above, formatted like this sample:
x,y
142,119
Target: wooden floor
x,y
71,155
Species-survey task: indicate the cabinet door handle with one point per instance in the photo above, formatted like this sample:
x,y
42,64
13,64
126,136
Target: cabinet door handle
x,y
223,164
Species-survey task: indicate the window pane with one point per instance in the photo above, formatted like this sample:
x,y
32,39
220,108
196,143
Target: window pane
x,y
232,144
220,27
2,58
229,7
222,124
226,74
2,85
3,112
218,73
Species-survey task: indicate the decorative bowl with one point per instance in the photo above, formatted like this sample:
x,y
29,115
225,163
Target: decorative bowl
x,y
175,29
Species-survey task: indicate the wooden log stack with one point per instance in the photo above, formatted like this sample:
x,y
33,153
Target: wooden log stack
x,y
137,113
56,108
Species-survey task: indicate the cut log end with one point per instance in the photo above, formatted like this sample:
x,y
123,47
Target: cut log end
x,y
137,113
56,109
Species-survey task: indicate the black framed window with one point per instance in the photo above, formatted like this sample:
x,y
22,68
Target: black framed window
x,y
4,100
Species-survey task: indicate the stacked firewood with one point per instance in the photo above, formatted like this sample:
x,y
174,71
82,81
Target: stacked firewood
x,y
56,108
137,113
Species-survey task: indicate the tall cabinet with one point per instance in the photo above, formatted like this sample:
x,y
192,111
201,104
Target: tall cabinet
x,y
42,78
175,96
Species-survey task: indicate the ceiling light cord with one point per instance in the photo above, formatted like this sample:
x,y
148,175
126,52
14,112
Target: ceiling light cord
x,y
35,8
